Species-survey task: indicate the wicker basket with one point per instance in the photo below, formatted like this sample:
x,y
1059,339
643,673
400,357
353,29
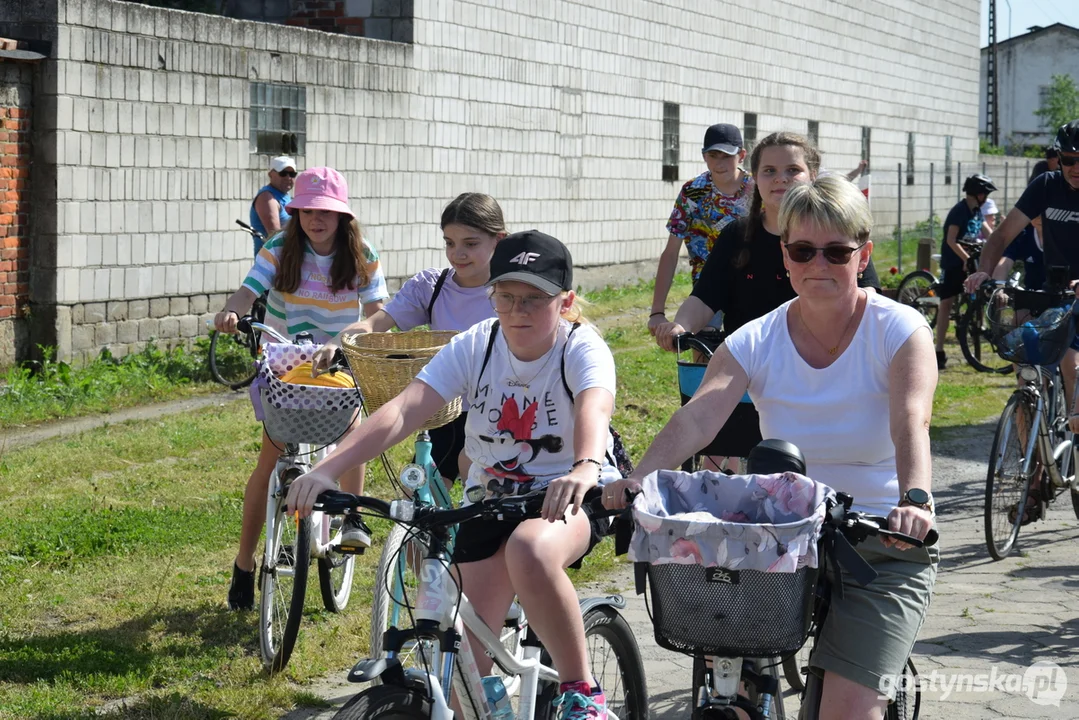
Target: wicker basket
x,y
385,363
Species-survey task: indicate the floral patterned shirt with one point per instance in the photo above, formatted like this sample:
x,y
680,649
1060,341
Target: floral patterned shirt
x,y
701,211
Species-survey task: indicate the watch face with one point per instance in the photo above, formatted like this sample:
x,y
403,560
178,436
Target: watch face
x,y
918,496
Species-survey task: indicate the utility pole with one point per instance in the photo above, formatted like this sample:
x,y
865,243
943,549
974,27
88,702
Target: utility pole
x,y
992,110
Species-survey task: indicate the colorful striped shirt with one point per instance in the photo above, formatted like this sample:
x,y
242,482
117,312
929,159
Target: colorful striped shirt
x,y
313,307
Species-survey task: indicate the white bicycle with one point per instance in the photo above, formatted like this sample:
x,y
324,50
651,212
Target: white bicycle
x,y
421,664
290,545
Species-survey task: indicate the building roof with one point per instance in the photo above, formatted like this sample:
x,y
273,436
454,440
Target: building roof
x,y
1034,30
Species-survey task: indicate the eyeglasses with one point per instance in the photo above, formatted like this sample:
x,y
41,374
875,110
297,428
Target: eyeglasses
x,y
803,252
503,302
1067,161
288,173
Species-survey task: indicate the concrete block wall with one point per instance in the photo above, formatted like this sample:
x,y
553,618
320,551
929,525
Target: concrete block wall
x,y
553,107
15,114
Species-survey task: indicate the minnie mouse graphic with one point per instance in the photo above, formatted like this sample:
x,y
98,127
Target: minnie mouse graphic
x,y
502,456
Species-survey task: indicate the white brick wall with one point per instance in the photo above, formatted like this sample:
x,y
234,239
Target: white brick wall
x,y
552,106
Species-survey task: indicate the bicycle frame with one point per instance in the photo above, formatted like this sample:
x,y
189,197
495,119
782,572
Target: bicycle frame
x,y
1038,439
726,675
296,460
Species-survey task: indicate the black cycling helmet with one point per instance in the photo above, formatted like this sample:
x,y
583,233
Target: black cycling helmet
x,y
1068,138
978,184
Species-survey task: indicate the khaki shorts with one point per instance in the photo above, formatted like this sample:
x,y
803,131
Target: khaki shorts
x,y
870,631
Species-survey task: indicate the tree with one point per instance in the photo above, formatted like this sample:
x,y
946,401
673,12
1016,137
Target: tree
x,y
1061,104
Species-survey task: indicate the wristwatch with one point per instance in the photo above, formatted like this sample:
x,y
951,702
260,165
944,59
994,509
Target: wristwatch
x,y
918,498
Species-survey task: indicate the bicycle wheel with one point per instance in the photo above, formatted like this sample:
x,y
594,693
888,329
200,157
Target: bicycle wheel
x,y
973,336
792,668
386,702
396,587
917,290
1006,489
335,570
232,358
908,698
616,665
283,587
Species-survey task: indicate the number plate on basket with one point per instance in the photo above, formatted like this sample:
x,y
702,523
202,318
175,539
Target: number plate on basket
x,y
720,575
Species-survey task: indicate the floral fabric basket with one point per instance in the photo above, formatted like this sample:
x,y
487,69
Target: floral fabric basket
x,y
300,413
731,559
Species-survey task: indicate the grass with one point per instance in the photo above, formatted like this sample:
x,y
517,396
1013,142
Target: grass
x,y
118,546
49,389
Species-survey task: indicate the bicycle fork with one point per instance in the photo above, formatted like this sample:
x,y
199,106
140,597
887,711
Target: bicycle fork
x,y
723,680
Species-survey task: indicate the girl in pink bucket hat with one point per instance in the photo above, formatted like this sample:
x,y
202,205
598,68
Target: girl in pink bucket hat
x,y
318,273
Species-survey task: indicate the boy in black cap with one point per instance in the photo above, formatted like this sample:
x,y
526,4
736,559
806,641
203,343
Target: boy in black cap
x,y
704,207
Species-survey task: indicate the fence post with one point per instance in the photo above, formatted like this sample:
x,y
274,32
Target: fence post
x,y
983,167
958,181
1026,177
932,193
1005,188
899,218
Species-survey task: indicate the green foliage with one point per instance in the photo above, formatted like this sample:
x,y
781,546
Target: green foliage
x,y
987,148
1061,104
50,388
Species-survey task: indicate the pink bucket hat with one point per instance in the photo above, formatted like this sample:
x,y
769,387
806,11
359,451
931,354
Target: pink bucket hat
x,y
320,188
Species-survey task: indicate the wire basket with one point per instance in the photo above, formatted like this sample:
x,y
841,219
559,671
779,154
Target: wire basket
x,y
731,613
1029,327
385,363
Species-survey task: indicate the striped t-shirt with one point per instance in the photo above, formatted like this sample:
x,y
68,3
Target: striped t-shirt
x,y
313,307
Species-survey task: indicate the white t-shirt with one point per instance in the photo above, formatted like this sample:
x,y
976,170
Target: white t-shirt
x,y
519,433
838,415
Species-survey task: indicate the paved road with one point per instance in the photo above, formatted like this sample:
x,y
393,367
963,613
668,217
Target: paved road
x,y
990,618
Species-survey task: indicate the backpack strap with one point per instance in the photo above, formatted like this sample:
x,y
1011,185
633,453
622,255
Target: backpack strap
x,y
562,366
487,359
438,288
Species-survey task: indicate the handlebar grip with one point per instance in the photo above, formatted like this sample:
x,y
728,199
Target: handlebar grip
x,y
931,538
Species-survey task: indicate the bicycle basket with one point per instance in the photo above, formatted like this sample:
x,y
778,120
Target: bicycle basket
x,y
301,413
731,560
1029,327
385,363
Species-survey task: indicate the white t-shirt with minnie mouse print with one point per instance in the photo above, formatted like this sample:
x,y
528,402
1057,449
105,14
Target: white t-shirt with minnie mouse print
x,y
519,432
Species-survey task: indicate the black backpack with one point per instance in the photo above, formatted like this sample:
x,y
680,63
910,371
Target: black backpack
x,y
621,457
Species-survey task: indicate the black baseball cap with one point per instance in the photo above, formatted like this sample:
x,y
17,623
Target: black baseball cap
x,y
723,137
535,258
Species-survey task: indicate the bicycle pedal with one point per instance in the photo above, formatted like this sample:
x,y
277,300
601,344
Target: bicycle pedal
x,y
350,549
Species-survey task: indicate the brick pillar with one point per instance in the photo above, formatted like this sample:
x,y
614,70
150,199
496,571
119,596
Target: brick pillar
x,y
14,209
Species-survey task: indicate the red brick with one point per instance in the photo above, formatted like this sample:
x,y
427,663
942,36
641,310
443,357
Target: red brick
x,y
18,112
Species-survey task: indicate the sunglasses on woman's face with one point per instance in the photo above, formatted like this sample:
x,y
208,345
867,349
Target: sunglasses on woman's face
x,y
803,252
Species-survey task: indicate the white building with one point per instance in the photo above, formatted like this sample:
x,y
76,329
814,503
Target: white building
x,y
582,117
1025,65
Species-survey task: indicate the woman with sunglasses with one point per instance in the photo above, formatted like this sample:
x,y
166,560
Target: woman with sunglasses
x,y
744,276
848,376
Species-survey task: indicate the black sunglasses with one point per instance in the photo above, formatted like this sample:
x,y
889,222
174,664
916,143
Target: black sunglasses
x,y
288,173
1067,161
803,252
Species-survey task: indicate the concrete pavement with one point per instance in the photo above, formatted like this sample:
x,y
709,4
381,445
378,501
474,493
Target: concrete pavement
x,y
989,622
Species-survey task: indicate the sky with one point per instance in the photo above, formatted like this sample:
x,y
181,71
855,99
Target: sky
x,y
1025,13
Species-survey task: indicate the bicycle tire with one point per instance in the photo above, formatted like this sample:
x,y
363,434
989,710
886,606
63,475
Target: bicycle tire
x,y
1004,488
974,342
627,690
908,698
386,702
792,668
281,602
917,289
395,577
226,367
335,573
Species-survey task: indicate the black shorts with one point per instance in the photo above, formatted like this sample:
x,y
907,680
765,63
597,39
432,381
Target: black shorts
x,y
951,282
478,540
447,442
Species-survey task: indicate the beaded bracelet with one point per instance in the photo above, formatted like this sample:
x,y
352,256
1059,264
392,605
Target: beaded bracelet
x,y
582,461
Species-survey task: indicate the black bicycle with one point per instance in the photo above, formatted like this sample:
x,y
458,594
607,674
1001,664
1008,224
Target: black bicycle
x,y
233,356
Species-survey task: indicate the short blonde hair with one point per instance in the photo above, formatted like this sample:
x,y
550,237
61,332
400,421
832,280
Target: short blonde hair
x,y
831,202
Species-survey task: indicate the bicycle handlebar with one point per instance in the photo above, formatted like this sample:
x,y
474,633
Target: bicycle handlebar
x,y
250,230
703,341
857,526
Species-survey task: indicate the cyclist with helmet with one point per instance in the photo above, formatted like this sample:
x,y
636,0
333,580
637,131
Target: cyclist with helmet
x,y
1055,197
964,222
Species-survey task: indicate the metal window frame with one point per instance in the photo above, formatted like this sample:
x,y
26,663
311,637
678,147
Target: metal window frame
x,y
277,119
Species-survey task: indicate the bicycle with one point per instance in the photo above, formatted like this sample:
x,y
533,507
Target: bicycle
x,y
1032,329
737,640
445,658
742,431
921,290
233,357
286,564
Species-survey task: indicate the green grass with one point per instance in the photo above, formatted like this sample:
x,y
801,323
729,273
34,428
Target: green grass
x,y
49,389
116,553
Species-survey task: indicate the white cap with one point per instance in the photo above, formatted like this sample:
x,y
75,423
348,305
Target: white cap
x,y
281,162
989,207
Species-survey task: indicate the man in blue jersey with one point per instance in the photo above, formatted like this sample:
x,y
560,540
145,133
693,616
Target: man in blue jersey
x,y
268,215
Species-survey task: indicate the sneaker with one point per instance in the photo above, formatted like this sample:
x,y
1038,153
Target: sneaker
x,y
942,359
581,701
355,533
242,589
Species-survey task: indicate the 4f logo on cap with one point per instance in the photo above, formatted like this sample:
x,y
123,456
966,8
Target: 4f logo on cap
x,y
524,258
